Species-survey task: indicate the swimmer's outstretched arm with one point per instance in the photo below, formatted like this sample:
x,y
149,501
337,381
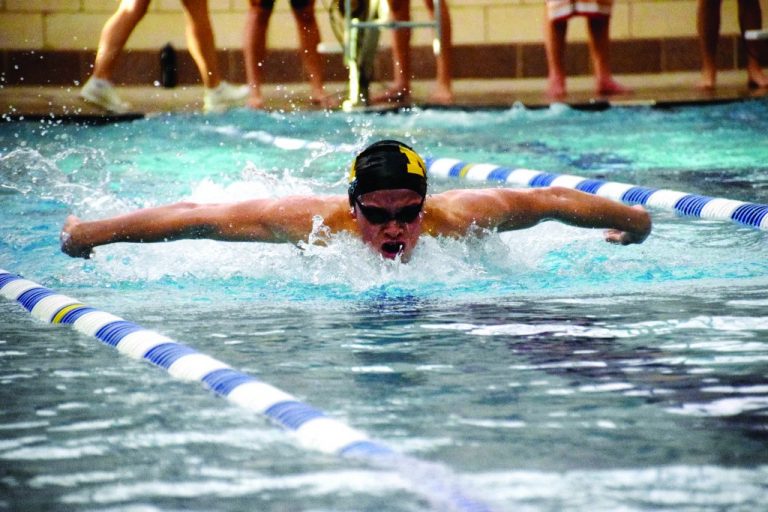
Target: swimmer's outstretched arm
x,y
623,224
510,209
287,219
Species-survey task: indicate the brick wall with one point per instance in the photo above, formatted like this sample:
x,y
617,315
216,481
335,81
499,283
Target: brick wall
x,y
53,41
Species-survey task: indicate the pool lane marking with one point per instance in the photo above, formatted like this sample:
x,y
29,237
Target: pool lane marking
x,y
184,363
691,205
312,427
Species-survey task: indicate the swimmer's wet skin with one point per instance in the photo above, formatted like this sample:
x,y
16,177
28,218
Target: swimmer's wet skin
x,y
386,206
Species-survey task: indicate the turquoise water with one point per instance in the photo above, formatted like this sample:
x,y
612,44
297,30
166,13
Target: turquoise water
x,y
542,369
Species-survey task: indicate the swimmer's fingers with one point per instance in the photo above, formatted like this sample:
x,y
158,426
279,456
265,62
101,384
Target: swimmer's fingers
x,y
70,249
643,229
85,254
68,245
615,236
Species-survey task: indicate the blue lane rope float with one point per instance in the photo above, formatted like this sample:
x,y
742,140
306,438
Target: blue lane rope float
x,y
313,428
692,205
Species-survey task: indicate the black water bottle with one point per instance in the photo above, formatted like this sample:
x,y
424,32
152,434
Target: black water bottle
x,y
168,66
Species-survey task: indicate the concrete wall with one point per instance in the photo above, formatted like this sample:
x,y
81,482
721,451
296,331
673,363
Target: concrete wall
x,y
69,29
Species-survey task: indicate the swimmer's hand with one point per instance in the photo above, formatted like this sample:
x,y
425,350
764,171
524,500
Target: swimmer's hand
x,y
616,236
69,244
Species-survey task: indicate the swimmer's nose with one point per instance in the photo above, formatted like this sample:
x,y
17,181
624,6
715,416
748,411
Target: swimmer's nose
x,y
393,226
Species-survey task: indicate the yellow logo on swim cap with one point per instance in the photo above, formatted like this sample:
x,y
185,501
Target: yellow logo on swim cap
x,y
352,173
415,163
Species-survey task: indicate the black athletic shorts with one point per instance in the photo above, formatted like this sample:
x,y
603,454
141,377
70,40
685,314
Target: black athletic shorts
x,y
295,4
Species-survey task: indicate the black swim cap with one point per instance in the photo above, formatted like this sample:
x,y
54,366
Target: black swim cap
x,y
387,165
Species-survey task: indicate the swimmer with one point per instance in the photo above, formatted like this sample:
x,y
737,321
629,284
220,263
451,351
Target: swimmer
x,y
387,206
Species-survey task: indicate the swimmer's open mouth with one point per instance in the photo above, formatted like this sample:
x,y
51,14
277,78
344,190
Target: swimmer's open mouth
x,y
392,249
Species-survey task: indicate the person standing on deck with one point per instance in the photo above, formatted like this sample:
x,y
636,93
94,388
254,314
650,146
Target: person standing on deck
x,y
598,14
400,90
219,95
255,49
708,27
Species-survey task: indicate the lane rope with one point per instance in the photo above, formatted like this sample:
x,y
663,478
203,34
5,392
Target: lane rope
x,y
313,428
690,205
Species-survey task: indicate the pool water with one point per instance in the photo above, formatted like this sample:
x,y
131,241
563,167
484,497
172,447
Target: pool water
x,y
543,370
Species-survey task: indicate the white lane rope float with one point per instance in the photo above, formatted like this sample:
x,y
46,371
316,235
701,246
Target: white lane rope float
x,y
691,205
313,428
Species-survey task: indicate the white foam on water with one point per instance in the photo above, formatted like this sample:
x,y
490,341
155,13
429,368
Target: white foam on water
x,y
722,407
668,487
341,260
308,486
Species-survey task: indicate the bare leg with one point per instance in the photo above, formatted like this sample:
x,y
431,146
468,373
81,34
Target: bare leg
x,y
750,18
599,50
443,92
708,27
554,44
115,34
400,90
200,41
255,50
309,37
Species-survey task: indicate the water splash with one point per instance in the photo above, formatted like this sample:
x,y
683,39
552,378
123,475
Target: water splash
x,y
28,172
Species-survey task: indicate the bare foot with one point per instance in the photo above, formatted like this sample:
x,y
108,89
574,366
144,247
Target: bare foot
x,y
757,80
707,81
324,100
556,89
255,101
441,96
610,86
555,86
392,95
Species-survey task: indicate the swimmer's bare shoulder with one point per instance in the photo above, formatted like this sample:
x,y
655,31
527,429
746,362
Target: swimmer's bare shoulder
x,y
455,212
291,218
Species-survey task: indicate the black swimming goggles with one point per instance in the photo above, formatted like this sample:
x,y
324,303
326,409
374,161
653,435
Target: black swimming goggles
x,y
404,215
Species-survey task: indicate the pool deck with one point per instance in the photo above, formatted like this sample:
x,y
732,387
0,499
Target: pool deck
x,y
662,90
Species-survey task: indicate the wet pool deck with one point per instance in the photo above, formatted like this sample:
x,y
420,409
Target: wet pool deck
x,y
660,90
